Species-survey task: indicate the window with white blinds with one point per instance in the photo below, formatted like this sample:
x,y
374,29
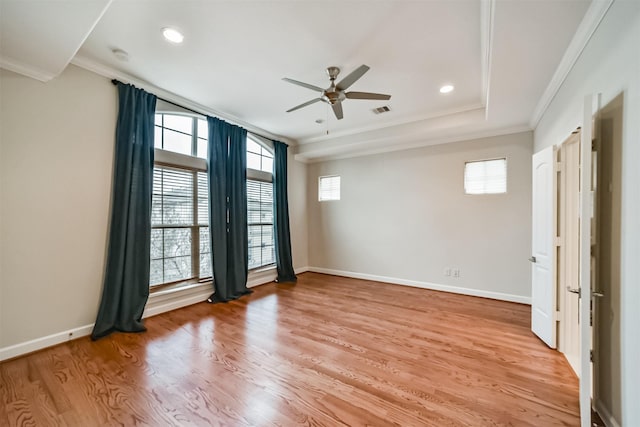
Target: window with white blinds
x,y
329,188
180,229
485,176
180,250
260,223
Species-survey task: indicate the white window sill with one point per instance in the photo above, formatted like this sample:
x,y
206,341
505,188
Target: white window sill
x,y
178,287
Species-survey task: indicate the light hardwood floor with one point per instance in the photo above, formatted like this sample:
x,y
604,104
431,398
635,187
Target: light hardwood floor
x,y
329,351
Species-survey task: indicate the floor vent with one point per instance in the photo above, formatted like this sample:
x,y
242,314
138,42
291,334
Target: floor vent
x,y
381,110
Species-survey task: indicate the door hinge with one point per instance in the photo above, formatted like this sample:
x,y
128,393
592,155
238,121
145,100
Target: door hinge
x,y
591,355
556,316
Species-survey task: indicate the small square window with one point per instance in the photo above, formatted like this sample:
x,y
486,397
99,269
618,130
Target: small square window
x,y
485,176
329,188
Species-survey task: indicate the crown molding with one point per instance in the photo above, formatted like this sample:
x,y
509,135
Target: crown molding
x,y
592,18
407,143
25,69
112,73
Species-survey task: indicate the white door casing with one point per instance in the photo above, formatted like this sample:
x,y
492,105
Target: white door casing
x,y
543,283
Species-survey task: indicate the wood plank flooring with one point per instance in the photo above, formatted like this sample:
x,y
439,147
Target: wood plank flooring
x,y
329,351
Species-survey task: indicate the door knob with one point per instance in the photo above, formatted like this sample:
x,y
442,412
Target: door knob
x,y
597,294
532,259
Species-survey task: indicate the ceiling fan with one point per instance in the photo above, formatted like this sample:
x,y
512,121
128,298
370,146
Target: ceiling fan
x,y
335,93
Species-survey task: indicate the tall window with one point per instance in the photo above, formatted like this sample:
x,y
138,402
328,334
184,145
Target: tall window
x,y
180,250
260,204
180,216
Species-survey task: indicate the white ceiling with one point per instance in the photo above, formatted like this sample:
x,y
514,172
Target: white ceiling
x,y
499,54
39,38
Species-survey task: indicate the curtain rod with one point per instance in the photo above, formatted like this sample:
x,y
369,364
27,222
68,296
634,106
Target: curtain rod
x,y
115,82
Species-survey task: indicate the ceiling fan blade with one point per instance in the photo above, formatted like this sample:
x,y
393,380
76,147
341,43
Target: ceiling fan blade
x,y
337,110
308,86
366,95
304,105
351,78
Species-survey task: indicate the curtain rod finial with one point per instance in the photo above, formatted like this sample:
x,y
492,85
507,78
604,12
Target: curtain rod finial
x,y
114,81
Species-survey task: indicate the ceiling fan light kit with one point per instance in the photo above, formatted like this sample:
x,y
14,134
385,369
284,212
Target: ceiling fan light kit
x,y
336,93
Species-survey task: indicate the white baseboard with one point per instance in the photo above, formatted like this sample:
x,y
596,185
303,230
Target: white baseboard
x,y
258,278
606,416
426,285
301,270
573,362
161,302
44,342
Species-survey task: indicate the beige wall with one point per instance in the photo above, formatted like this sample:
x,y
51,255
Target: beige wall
x,y
57,157
404,215
297,187
56,149
610,66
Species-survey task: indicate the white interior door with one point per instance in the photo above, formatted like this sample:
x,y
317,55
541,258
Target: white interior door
x,y
586,214
543,284
569,250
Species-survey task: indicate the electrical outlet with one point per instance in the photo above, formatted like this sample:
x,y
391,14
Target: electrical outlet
x,y
456,272
447,271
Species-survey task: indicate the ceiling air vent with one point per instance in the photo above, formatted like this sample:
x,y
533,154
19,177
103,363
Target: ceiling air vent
x,y
381,110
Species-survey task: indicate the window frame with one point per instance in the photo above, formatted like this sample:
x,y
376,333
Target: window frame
x,y
506,176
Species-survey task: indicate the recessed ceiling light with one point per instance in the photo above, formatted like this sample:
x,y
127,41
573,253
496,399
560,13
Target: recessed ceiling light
x,y
172,35
446,89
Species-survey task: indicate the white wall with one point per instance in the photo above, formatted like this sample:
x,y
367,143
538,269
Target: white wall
x,y
610,65
56,148
404,216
